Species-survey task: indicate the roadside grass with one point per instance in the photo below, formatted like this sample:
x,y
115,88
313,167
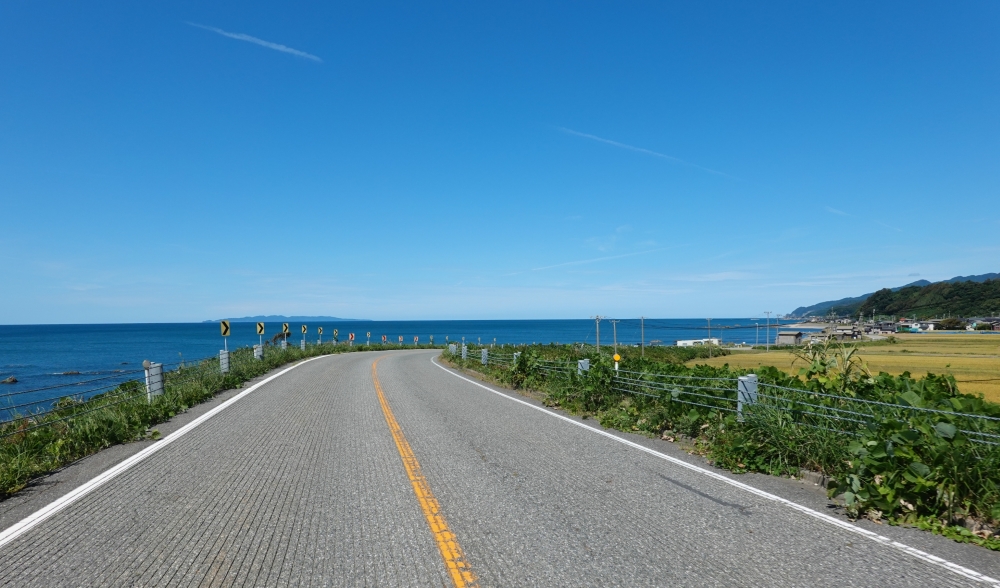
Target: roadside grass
x,y
904,467
973,359
32,446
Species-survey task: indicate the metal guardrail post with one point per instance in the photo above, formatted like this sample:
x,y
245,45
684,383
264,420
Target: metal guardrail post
x,y
451,348
224,361
485,355
154,379
582,365
465,351
746,393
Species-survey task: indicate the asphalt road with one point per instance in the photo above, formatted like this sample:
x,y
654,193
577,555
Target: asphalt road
x,y
304,482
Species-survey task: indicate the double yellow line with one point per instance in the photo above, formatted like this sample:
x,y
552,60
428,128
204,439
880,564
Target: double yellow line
x,y
454,560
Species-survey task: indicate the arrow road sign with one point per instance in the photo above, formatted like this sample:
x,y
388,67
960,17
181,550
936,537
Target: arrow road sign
x,y
260,328
384,338
369,334
335,332
400,338
415,339
225,328
320,330
284,328
304,329
351,336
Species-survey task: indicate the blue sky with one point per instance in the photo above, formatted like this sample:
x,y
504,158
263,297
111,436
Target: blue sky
x,y
183,161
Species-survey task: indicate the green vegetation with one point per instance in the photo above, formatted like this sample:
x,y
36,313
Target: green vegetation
x,y
906,466
33,446
942,298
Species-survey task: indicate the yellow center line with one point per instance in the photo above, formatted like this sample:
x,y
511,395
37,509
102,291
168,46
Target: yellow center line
x,y
454,560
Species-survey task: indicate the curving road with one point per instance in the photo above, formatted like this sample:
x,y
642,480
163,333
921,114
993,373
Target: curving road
x,y
335,473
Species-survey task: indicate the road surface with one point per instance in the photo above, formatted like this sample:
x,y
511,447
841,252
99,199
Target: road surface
x,y
337,474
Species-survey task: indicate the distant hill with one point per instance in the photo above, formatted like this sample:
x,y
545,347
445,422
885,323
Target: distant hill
x,y
851,306
824,308
278,318
960,299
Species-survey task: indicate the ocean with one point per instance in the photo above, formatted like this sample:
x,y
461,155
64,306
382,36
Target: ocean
x,y
57,360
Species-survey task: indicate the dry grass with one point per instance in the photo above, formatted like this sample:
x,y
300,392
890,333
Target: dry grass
x,y
968,357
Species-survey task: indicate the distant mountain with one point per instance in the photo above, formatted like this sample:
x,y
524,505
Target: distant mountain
x,y
956,299
850,306
278,318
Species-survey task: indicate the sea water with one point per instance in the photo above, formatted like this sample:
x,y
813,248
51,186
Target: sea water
x,y
88,357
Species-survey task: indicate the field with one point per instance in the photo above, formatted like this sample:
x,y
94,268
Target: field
x,y
973,359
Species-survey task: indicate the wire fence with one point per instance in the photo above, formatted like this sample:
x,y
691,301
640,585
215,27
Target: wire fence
x,y
39,407
843,414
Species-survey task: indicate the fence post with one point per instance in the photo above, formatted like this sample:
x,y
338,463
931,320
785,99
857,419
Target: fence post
x,y
582,365
451,348
517,354
746,393
465,351
485,355
154,379
224,361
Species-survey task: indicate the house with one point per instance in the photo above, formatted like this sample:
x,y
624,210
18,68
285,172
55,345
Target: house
x,y
884,327
697,342
789,338
843,332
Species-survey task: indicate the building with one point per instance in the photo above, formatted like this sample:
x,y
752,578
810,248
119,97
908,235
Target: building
x,y
884,327
789,338
697,342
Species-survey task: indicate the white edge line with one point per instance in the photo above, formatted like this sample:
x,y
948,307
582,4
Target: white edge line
x,y
912,551
32,520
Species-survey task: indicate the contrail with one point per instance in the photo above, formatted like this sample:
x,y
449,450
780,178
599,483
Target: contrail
x,y
256,41
583,261
669,158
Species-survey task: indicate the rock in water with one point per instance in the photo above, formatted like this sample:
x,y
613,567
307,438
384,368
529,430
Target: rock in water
x,y
10,380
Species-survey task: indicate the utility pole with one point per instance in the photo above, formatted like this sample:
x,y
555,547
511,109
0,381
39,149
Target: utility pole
x,y
642,333
756,341
614,328
709,338
767,340
597,320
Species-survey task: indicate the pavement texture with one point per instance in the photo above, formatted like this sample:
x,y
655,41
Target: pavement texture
x,y
301,483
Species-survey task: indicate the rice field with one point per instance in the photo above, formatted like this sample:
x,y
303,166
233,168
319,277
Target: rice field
x,y
973,359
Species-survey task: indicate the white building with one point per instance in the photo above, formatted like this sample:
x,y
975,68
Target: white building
x,y
696,342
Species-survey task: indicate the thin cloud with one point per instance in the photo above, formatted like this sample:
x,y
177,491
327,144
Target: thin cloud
x,y
669,158
256,41
835,211
897,229
596,259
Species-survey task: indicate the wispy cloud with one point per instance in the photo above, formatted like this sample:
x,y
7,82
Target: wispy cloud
x,y
256,41
669,158
717,277
835,211
897,229
595,259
